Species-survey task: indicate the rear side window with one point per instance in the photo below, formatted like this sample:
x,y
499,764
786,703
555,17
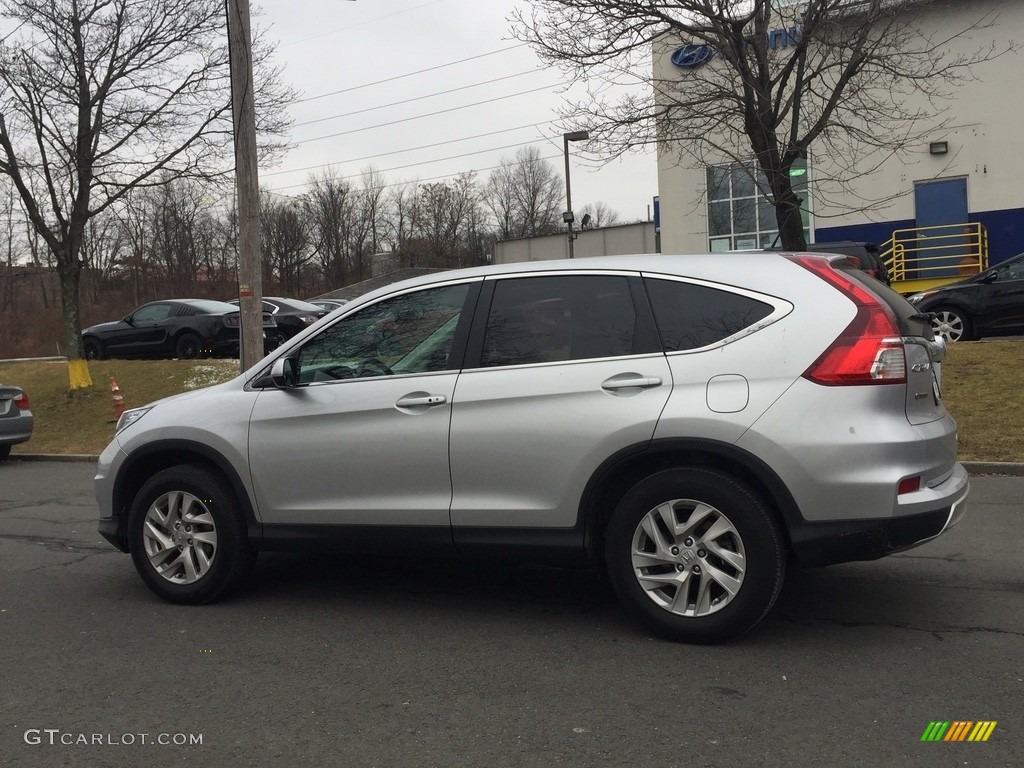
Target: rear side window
x,y
560,317
692,316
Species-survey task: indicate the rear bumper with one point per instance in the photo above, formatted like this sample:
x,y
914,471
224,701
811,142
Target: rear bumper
x,y
16,430
828,543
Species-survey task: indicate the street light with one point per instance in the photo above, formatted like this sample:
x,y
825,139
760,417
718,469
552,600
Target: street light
x,y
568,216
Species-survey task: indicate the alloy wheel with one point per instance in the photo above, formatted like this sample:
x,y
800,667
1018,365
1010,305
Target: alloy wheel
x,y
688,557
180,537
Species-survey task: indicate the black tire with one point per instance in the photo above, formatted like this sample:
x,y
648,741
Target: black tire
x,y
188,347
93,349
186,521
684,599
5,451
952,324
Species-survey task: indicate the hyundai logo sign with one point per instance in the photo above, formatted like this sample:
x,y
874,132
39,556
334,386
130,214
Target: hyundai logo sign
x,y
692,56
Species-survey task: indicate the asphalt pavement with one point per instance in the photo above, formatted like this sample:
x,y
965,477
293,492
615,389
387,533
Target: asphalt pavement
x,y
376,661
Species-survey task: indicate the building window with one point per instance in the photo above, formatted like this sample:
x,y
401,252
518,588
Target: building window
x,y
739,216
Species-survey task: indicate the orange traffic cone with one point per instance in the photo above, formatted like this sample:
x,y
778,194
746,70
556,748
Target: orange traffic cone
x,y
115,391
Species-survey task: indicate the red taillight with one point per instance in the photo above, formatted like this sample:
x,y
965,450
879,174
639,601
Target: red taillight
x,y
21,402
870,350
909,485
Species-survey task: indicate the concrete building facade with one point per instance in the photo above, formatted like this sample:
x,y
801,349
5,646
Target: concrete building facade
x,y
971,171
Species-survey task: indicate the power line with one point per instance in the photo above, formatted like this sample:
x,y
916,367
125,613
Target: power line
x,y
421,181
410,74
437,160
428,114
402,151
417,98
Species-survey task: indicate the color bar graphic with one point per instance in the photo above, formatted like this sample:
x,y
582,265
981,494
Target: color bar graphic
x,y
959,730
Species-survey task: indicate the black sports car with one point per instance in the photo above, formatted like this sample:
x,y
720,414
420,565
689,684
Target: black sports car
x,y
988,304
291,315
183,328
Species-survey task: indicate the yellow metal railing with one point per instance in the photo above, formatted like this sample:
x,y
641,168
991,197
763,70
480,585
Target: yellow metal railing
x,y
926,257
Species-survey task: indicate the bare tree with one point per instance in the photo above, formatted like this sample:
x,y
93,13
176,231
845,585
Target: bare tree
x,y
329,208
285,242
525,196
100,97
600,215
764,81
449,222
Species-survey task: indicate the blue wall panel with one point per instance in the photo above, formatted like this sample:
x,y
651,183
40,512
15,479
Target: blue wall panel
x,y
1005,232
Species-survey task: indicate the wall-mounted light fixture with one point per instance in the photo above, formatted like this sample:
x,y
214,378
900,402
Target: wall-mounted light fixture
x,y
938,148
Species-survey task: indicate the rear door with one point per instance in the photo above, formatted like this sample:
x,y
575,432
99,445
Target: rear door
x,y
563,370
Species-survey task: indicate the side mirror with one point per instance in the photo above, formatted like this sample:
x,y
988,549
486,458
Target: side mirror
x,y
285,373
990,277
127,319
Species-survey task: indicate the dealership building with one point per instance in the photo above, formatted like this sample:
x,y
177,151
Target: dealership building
x,y
954,195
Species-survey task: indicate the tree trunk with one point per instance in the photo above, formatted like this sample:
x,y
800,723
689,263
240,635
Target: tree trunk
x,y
787,214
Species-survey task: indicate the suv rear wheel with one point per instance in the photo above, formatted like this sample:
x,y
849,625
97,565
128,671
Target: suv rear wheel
x,y
695,555
188,536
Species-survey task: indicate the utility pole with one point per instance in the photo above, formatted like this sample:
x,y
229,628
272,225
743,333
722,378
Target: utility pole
x,y
247,184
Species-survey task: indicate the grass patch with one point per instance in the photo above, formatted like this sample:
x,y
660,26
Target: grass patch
x,y
83,422
980,382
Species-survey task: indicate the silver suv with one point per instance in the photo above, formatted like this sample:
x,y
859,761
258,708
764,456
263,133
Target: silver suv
x,y
690,423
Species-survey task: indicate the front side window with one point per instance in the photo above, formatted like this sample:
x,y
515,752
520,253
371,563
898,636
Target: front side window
x,y
691,316
1011,271
411,333
558,318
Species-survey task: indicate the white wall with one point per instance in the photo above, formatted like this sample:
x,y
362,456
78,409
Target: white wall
x,y
606,241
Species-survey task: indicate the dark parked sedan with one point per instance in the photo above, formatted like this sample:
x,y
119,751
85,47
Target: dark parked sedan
x,y
987,304
16,419
183,328
329,304
291,315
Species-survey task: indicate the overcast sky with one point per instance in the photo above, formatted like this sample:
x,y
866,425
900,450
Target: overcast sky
x,y
336,53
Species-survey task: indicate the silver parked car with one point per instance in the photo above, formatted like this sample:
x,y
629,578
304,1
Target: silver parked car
x,y
690,423
16,420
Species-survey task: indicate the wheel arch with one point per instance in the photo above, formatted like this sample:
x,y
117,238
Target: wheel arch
x,y
627,467
145,462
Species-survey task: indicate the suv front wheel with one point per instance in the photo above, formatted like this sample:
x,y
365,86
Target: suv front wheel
x,y
695,555
188,537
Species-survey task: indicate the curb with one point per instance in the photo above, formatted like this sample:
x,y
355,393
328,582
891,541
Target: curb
x,y
1008,468
64,457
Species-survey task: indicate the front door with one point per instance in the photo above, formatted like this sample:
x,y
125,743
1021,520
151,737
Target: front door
x,y
364,439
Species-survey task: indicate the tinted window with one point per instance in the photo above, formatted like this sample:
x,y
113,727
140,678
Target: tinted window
x,y
151,312
1012,271
566,317
411,333
692,316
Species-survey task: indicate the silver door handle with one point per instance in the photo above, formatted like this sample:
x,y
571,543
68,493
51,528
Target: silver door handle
x,y
415,401
643,382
